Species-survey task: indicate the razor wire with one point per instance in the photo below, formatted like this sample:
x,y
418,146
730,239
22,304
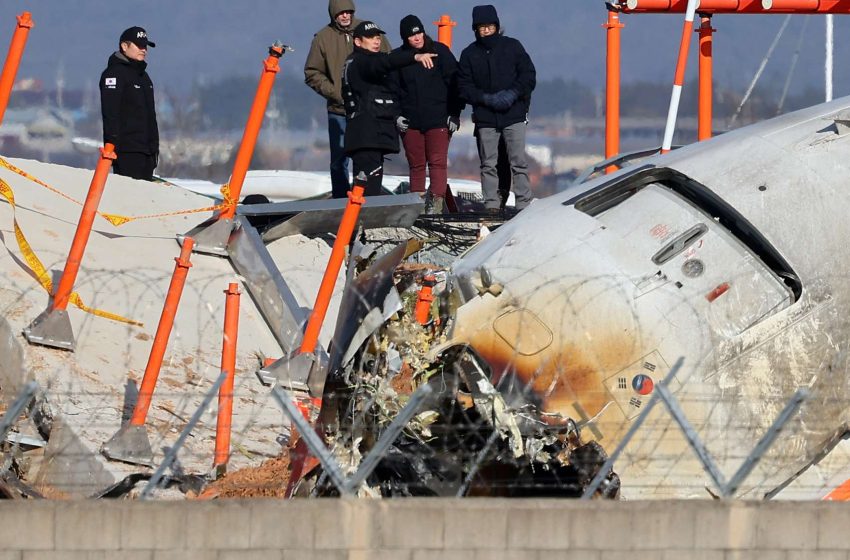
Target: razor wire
x,y
470,434
198,457
171,455
727,489
22,401
481,437
635,427
349,485
119,220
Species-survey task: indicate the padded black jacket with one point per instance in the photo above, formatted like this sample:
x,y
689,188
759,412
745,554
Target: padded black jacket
x,y
127,106
490,65
429,97
371,101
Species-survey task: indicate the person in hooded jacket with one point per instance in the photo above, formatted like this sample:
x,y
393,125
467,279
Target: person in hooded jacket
x,y
496,76
128,109
371,102
323,71
430,111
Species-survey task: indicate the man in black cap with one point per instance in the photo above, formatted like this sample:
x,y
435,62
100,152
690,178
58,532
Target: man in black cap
x,y
371,104
127,106
496,76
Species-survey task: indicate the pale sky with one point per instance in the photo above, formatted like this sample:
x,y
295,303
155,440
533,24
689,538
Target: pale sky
x,y
213,38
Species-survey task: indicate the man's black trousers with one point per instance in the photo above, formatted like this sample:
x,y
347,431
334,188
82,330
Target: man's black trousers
x,y
370,162
135,164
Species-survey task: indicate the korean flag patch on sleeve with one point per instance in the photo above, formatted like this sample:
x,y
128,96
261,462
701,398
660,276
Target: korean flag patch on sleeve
x,y
110,82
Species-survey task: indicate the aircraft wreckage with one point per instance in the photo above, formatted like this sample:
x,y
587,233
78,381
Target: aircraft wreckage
x,y
550,334
545,343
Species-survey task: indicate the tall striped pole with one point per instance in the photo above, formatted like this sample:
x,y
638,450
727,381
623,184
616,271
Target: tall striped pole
x,y
828,58
679,78
612,87
13,59
706,70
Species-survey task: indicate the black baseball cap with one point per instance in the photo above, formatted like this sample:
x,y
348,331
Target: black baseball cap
x,y
137,36
368,29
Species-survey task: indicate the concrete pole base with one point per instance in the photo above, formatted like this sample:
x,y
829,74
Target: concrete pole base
x,y
211,237
291,373
52,328
129,445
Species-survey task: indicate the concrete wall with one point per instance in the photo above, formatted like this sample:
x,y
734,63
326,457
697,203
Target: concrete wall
x,y
423,530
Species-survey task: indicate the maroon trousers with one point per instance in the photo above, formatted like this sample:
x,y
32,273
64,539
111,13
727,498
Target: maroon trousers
x,y
429,148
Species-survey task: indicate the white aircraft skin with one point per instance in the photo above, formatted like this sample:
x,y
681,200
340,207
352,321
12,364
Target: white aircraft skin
x,y
731,253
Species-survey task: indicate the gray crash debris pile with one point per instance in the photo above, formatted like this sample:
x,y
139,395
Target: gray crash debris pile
x,y
558,329
474,435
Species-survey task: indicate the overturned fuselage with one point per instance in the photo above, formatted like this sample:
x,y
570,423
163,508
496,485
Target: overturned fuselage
x,y
730,253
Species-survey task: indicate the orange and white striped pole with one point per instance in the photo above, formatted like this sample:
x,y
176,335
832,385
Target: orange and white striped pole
x,y
706,47
422,311
326,288
271,66
612,87
737,6
840,493
444,30
13,60
81,237
679,78
225,393
182,265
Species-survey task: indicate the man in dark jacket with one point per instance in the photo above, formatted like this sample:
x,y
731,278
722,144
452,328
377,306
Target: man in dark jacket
x,y
496,76
322,72
128,109
371,104
430,111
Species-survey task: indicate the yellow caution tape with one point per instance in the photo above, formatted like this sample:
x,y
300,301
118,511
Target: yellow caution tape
x,y
117,219
227,203
23,173
41,272
228,197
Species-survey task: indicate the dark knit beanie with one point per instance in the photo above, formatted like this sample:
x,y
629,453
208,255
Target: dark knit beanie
x,y
482,15
409,26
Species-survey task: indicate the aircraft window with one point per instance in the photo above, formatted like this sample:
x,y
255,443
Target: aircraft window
x,y
609,195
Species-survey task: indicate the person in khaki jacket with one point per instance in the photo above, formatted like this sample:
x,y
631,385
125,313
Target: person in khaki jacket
x,y
323,72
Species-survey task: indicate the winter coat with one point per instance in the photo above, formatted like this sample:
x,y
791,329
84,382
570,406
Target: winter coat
x,y
429,96
490,65
330,47
371,121
127,106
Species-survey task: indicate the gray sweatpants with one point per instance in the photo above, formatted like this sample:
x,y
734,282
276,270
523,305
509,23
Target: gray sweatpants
x,y
488,152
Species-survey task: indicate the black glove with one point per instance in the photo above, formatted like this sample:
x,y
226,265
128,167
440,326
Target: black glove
x,y
487,99
503,100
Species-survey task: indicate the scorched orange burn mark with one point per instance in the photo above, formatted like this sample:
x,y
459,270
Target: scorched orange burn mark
x,y
561,376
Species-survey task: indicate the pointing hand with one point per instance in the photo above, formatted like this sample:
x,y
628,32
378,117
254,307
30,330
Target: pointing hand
x,y
426,59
